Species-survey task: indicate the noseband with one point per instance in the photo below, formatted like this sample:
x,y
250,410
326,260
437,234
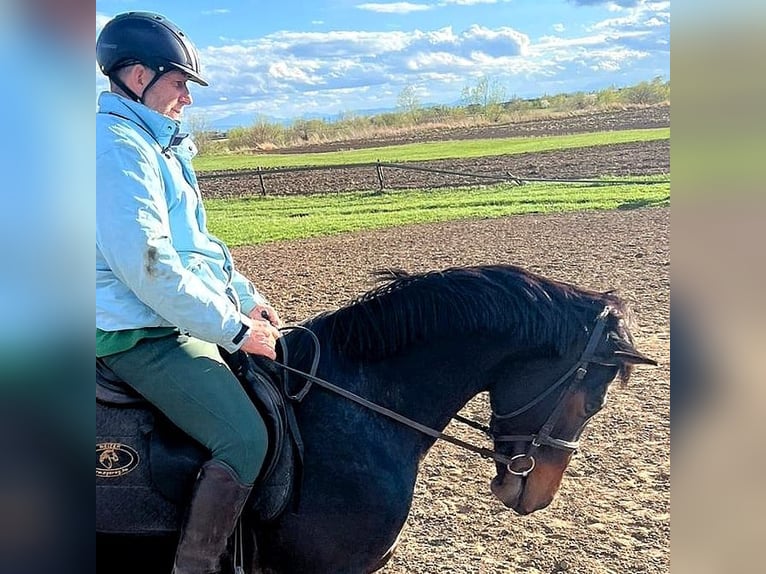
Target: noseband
x,y
544,437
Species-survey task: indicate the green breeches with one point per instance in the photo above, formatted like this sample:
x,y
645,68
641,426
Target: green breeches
x,y
188,381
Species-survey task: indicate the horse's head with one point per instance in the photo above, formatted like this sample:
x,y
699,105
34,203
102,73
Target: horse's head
x,y
546,351
537,418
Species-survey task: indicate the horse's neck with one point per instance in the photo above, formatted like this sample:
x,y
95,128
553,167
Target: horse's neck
x,y
429,383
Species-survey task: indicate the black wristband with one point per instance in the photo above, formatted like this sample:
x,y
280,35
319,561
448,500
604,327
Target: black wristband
x,y
241,335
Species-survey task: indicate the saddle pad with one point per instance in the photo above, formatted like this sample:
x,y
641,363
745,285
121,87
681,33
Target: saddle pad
x,y
146,467
127,499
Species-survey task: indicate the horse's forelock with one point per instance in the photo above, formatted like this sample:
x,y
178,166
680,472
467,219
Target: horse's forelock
x,y
623,322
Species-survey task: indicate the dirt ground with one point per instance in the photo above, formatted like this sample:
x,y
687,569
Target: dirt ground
x,y
612,514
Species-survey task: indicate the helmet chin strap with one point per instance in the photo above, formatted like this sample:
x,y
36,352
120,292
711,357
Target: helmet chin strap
x,y
130,93
125,89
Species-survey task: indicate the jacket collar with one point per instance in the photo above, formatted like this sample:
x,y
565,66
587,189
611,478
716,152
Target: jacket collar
x,y
160,127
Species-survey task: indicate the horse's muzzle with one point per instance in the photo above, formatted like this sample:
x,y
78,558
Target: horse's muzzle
x,y
518,492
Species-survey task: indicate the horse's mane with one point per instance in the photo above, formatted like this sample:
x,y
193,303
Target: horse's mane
x,y
502,299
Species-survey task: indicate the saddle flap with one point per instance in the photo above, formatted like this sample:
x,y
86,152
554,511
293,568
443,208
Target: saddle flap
x,y
275,482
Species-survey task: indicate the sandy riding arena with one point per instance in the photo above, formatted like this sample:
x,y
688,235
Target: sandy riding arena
x,y
612,512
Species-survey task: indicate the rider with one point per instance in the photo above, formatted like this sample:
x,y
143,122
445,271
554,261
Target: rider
x,y
167,293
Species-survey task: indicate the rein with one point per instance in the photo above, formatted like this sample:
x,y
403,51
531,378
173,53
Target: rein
x,y
312,378
543,437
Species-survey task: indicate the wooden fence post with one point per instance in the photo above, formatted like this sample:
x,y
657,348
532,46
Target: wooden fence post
x,y
260,178
379,171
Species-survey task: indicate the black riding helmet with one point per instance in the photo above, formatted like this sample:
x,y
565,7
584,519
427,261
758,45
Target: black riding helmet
x,y
149,39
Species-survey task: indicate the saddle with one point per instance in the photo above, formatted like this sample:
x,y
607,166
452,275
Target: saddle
x,y
146,466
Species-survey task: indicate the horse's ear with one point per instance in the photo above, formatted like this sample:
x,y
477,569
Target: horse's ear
x,y
633,357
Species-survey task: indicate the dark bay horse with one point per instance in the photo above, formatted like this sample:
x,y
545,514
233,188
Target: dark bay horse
x,y
422,346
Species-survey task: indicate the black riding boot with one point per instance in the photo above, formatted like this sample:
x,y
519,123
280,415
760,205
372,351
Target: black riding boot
x,y
216,504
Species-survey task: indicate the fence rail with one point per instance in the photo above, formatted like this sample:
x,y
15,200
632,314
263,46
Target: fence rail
x,y
379,167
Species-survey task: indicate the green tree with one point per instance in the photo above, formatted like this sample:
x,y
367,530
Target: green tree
x,y
409,103
201,134
487,96
645,93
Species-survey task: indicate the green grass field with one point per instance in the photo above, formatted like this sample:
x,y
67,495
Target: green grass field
x,y
428,150
257,220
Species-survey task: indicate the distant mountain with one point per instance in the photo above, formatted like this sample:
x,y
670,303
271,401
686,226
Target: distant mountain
x,y
247,120
243,121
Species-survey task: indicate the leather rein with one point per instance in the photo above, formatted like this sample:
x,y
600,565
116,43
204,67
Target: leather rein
x,y
543,437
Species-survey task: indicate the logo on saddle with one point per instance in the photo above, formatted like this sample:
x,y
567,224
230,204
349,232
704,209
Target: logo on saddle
x,y
115,459
146,467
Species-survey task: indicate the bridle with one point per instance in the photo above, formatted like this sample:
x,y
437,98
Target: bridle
x,y
542,438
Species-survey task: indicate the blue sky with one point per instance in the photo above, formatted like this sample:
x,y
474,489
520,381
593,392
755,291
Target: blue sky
x,y
294,58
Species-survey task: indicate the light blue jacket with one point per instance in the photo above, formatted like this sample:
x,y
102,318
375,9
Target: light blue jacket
x,y
156,263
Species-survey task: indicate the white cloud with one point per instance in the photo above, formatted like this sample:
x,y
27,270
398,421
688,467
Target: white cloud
x,y
500,42
317,66
605,52
437,61
469,2
289,73
606,66
394,8
652,14
216,12
293,73
101,20
612,60
654,22
609,3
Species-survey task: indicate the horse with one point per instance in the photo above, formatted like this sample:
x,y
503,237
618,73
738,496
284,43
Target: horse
x,y
418,347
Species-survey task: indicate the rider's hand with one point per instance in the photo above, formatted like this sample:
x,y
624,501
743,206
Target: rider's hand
x,y
262,339
266,312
